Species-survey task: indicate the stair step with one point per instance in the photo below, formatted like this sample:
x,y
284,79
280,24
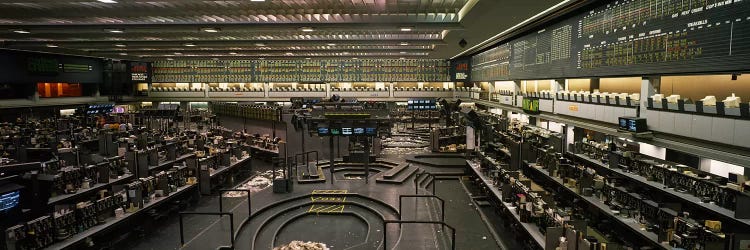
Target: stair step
x,y
402,177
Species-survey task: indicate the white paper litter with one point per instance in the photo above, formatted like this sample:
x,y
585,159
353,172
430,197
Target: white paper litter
x,y
299,245
256,184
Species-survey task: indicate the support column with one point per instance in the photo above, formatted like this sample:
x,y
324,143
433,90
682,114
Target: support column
x,y
265,89
331,158
649,87
516,92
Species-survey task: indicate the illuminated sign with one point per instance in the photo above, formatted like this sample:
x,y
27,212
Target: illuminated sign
x,y
530,105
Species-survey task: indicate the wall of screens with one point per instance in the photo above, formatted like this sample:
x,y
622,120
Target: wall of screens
x,y
421,104
367,130
626,38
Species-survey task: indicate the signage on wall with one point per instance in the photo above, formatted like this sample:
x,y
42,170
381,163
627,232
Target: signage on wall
x,y
573,108
139,71
530,105
42,66
461,70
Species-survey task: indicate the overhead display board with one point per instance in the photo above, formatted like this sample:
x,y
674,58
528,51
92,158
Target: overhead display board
x,y
633,37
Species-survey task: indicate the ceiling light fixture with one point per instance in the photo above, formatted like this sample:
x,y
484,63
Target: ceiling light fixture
x,y
403,52
260,44
257,0
211,30
123,54
120,45
117,31
331,44
289,54
403,43
215,58
22,31
232,53
261,58
354,58
345,53
403,58
307,58
51,46
169,59
189,45
178,53
107,1
307,29
407,28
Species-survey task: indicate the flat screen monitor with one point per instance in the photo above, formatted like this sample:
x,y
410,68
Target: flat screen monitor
x,y
359,131
410,102
323,131
370,131
9,200
346,131
335,131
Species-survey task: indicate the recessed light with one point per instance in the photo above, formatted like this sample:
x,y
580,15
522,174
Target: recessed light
x,y
307,58
331,44
51,46
123,54
118,31
407,28
169,59
260,44
178,53
403,43
189,45
307,29
402,52
289,53
354,58
345,53
107,1
211,30
22,31
120,45
232,53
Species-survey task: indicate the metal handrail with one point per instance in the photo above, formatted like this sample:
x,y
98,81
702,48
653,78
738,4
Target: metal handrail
x,y
442,204
416,185
231,225
386,222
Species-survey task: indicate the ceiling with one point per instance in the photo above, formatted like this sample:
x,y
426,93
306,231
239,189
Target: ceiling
x,y
250,29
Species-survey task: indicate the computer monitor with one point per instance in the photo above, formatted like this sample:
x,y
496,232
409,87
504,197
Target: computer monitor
x,y
359,131
323,131
9,200
371,131
346,131
335,131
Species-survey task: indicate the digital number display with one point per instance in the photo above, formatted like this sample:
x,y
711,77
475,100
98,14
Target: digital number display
x,y
9,200
626,37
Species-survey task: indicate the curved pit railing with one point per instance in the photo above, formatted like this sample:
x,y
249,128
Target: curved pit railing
x,y
242,227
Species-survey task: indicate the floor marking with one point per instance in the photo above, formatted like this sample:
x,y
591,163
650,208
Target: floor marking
x,y
326,209
323,191
332,199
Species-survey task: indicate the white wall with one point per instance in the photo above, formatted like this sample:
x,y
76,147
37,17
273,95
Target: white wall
x,y
653,151
721,168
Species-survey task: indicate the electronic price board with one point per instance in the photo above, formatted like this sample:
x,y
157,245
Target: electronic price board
x,y
627,37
